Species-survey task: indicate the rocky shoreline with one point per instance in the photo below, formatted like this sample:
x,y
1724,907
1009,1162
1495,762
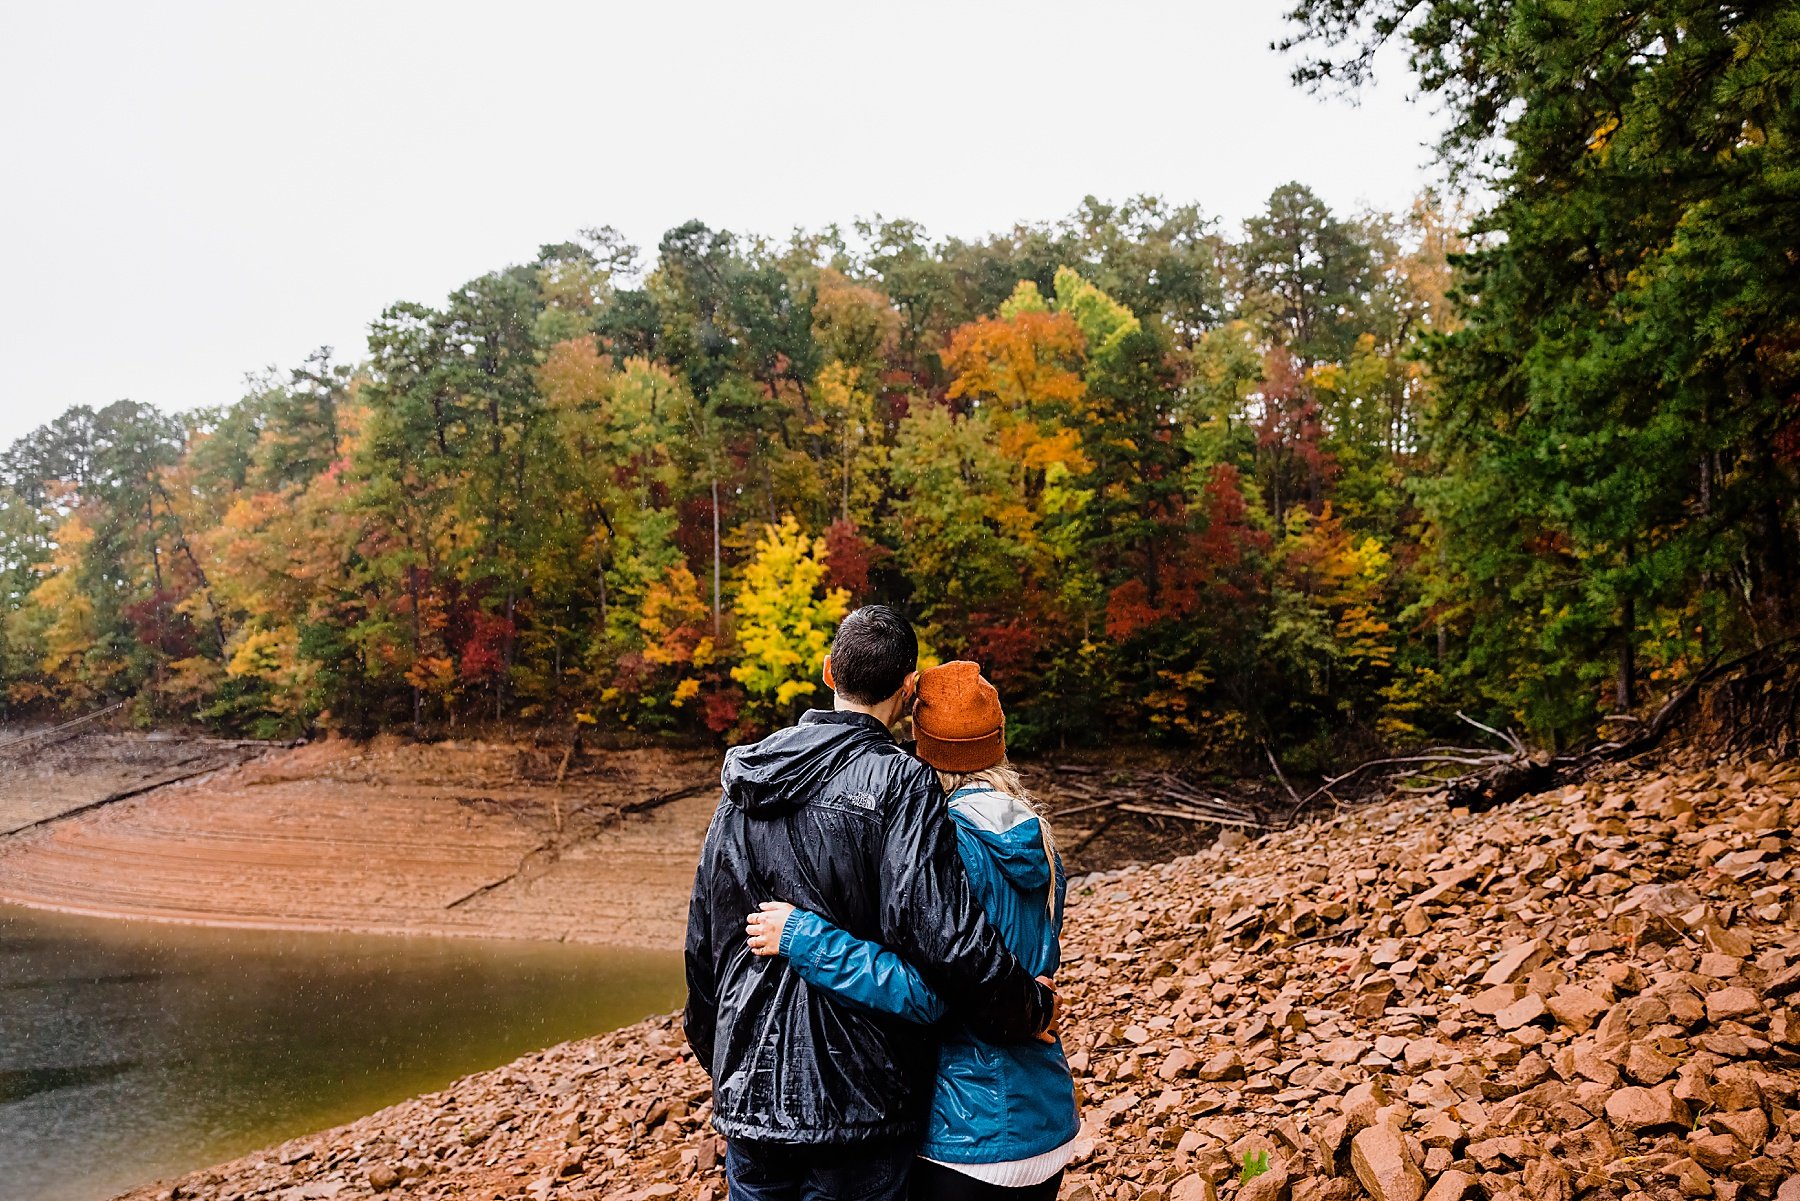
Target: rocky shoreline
x,y
1583,995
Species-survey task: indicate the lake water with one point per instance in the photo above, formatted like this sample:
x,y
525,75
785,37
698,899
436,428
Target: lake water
x,y
131,1051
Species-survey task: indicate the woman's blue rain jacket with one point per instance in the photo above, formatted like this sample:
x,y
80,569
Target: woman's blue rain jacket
x,y
991,1103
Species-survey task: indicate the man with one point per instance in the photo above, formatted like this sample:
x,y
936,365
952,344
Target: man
x,y
817,1099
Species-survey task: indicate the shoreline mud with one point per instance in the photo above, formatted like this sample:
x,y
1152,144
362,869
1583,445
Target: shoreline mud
x,y
446,839
473,840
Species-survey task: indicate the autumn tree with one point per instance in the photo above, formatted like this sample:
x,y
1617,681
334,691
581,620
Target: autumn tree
x,y
1615,477
785,619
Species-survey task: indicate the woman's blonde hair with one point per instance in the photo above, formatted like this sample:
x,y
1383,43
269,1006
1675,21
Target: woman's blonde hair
x,y
1004,777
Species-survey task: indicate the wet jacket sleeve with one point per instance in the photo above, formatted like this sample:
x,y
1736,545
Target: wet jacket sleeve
x,y
1060,882
930,917
856,970
699,1020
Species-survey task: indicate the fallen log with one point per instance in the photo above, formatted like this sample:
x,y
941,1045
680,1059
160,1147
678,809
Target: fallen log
x,y
58,733
1496,786
1495,778
1159,794
1072,810
1097,831
123,795
1190,816
660,799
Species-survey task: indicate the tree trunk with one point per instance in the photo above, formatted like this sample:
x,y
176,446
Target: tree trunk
x,y
181,544
715,524
418,695
1625,691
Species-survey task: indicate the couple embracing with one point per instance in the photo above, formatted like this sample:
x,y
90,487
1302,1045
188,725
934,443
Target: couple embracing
x,y
870,943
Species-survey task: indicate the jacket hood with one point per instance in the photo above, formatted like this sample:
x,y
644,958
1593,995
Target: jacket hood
x,y
786,769
1008,832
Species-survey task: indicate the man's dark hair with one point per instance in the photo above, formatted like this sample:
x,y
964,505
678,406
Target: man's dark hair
x,y
874,651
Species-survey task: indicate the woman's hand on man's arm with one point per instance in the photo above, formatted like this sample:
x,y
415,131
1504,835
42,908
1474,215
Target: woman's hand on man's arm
x,y
862,973
763,928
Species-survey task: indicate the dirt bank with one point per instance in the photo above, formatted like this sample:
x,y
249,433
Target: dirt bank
x,y
44,777
1586,994
470,839
442,838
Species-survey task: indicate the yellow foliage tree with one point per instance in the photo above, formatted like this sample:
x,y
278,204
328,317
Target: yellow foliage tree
x,y
64,615
785,617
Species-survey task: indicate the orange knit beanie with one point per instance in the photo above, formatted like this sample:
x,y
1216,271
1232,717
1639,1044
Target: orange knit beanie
x,y
958,720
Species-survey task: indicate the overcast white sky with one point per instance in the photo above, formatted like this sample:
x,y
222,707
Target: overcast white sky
x,y
189,192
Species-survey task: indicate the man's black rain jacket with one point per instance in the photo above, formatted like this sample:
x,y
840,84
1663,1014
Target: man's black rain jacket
x,y
832,816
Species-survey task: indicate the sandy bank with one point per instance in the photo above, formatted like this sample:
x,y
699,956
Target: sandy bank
x,y
446,839
399,838
1583,995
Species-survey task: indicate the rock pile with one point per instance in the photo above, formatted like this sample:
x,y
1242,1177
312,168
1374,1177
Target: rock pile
x,y
1587,994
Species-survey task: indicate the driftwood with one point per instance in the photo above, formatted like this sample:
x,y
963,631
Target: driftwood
x,y
556,844
1524,774
657,800
126,794
1479,779
1495,786
51,735
1187,815
1097,831
1155,796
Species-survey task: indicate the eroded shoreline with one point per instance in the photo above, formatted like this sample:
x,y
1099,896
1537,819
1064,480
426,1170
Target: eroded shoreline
x,y
472,840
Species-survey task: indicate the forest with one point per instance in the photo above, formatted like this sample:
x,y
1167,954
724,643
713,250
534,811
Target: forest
x,y
1313,483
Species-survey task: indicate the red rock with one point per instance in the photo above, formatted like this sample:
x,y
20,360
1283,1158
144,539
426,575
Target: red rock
x,y
1193,1187
1749,1126
1761,1175
1443,1131
1734,1088
1635,1109
1343,1050
1691,1178
1716,1151
1176,1064
1493,1000
1646,1065
1522,1012
1272,1185
1451,1186
1226,1065
1720,967
1382,1165
1548,1180
1514,962
1576,1008
1727,1004
1362,1104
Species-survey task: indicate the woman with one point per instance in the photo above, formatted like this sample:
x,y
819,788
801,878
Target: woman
x,y
1003,1120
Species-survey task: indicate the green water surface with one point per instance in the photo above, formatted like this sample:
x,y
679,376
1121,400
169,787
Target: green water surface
x,y
133,1051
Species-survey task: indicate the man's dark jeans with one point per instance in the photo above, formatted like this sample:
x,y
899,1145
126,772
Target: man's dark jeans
x,y
778,1172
